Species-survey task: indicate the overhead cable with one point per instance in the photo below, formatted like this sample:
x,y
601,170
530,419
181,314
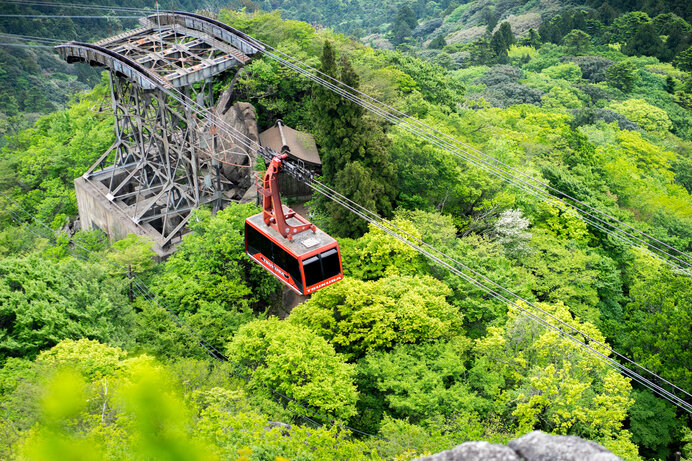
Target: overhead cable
x,y
152,300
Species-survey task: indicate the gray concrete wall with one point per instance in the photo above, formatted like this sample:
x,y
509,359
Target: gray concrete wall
x,y
95,210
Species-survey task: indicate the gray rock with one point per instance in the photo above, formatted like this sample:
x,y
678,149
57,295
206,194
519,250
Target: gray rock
x,y
475,451
242,117
285,428
539,446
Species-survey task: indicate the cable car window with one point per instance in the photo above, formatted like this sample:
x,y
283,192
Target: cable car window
x,y
313,271
288,264
330,263
257,243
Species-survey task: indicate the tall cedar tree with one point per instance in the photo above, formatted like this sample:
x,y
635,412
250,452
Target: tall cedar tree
x,y
577,42
354,151
404,23
644,42
501,41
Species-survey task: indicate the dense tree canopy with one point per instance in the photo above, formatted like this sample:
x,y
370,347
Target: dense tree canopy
x,y
44,301
593,101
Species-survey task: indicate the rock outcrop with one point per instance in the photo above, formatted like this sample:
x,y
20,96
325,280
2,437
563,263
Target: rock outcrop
x,y
475,451
534,446
236,158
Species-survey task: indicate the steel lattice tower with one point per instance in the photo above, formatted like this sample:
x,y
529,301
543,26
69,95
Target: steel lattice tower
x,y
165,161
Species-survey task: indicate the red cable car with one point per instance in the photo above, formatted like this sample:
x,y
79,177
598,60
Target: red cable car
x,y
281,242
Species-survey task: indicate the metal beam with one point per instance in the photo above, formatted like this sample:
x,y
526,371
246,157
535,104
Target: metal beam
x,y
156,168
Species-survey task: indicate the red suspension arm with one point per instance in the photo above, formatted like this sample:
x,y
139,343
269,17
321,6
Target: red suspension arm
x,y
273,212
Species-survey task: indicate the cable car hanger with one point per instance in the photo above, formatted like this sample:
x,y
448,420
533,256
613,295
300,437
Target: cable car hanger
x,y
272,209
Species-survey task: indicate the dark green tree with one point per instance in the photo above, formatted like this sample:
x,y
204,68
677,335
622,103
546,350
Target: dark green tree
x,y
438,42
501,41
550,30
577,42
625,26
505,35
622,76
490,17
670,84
644,42
481,52
684,60
404,23
354,151
401,33
678,34
652,423
532,39
606,13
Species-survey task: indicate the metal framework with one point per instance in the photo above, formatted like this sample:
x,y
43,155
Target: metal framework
x,y
274,213
165,160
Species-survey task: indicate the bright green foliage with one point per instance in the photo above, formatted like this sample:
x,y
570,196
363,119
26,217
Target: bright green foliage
x,y
87,243
564,273
429,179
38,165
63,401
91,358
377,254
210,282
568,71
433,436
236,429
160,418
487,257
43,302
622,76
577,42
648,117
657,319
156,333
210,268
134,252
153,422
559,97
360,316
296,362
118,408
416,382
551,384
19,241
553,115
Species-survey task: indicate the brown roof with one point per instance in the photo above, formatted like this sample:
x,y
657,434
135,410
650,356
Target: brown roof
x,y
297,144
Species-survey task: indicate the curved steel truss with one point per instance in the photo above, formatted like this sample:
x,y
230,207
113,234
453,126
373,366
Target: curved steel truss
x,y
163,164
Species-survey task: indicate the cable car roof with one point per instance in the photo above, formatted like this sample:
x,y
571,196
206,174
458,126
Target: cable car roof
x,y
303,243
297,144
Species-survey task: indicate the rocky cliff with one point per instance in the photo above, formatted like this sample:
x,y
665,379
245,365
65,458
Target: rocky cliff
x,y
535,446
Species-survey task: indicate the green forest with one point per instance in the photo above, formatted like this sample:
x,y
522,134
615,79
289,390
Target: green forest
x,y
106,353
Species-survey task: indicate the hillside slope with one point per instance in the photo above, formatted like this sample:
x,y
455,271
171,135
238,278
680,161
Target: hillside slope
x,y
401,348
